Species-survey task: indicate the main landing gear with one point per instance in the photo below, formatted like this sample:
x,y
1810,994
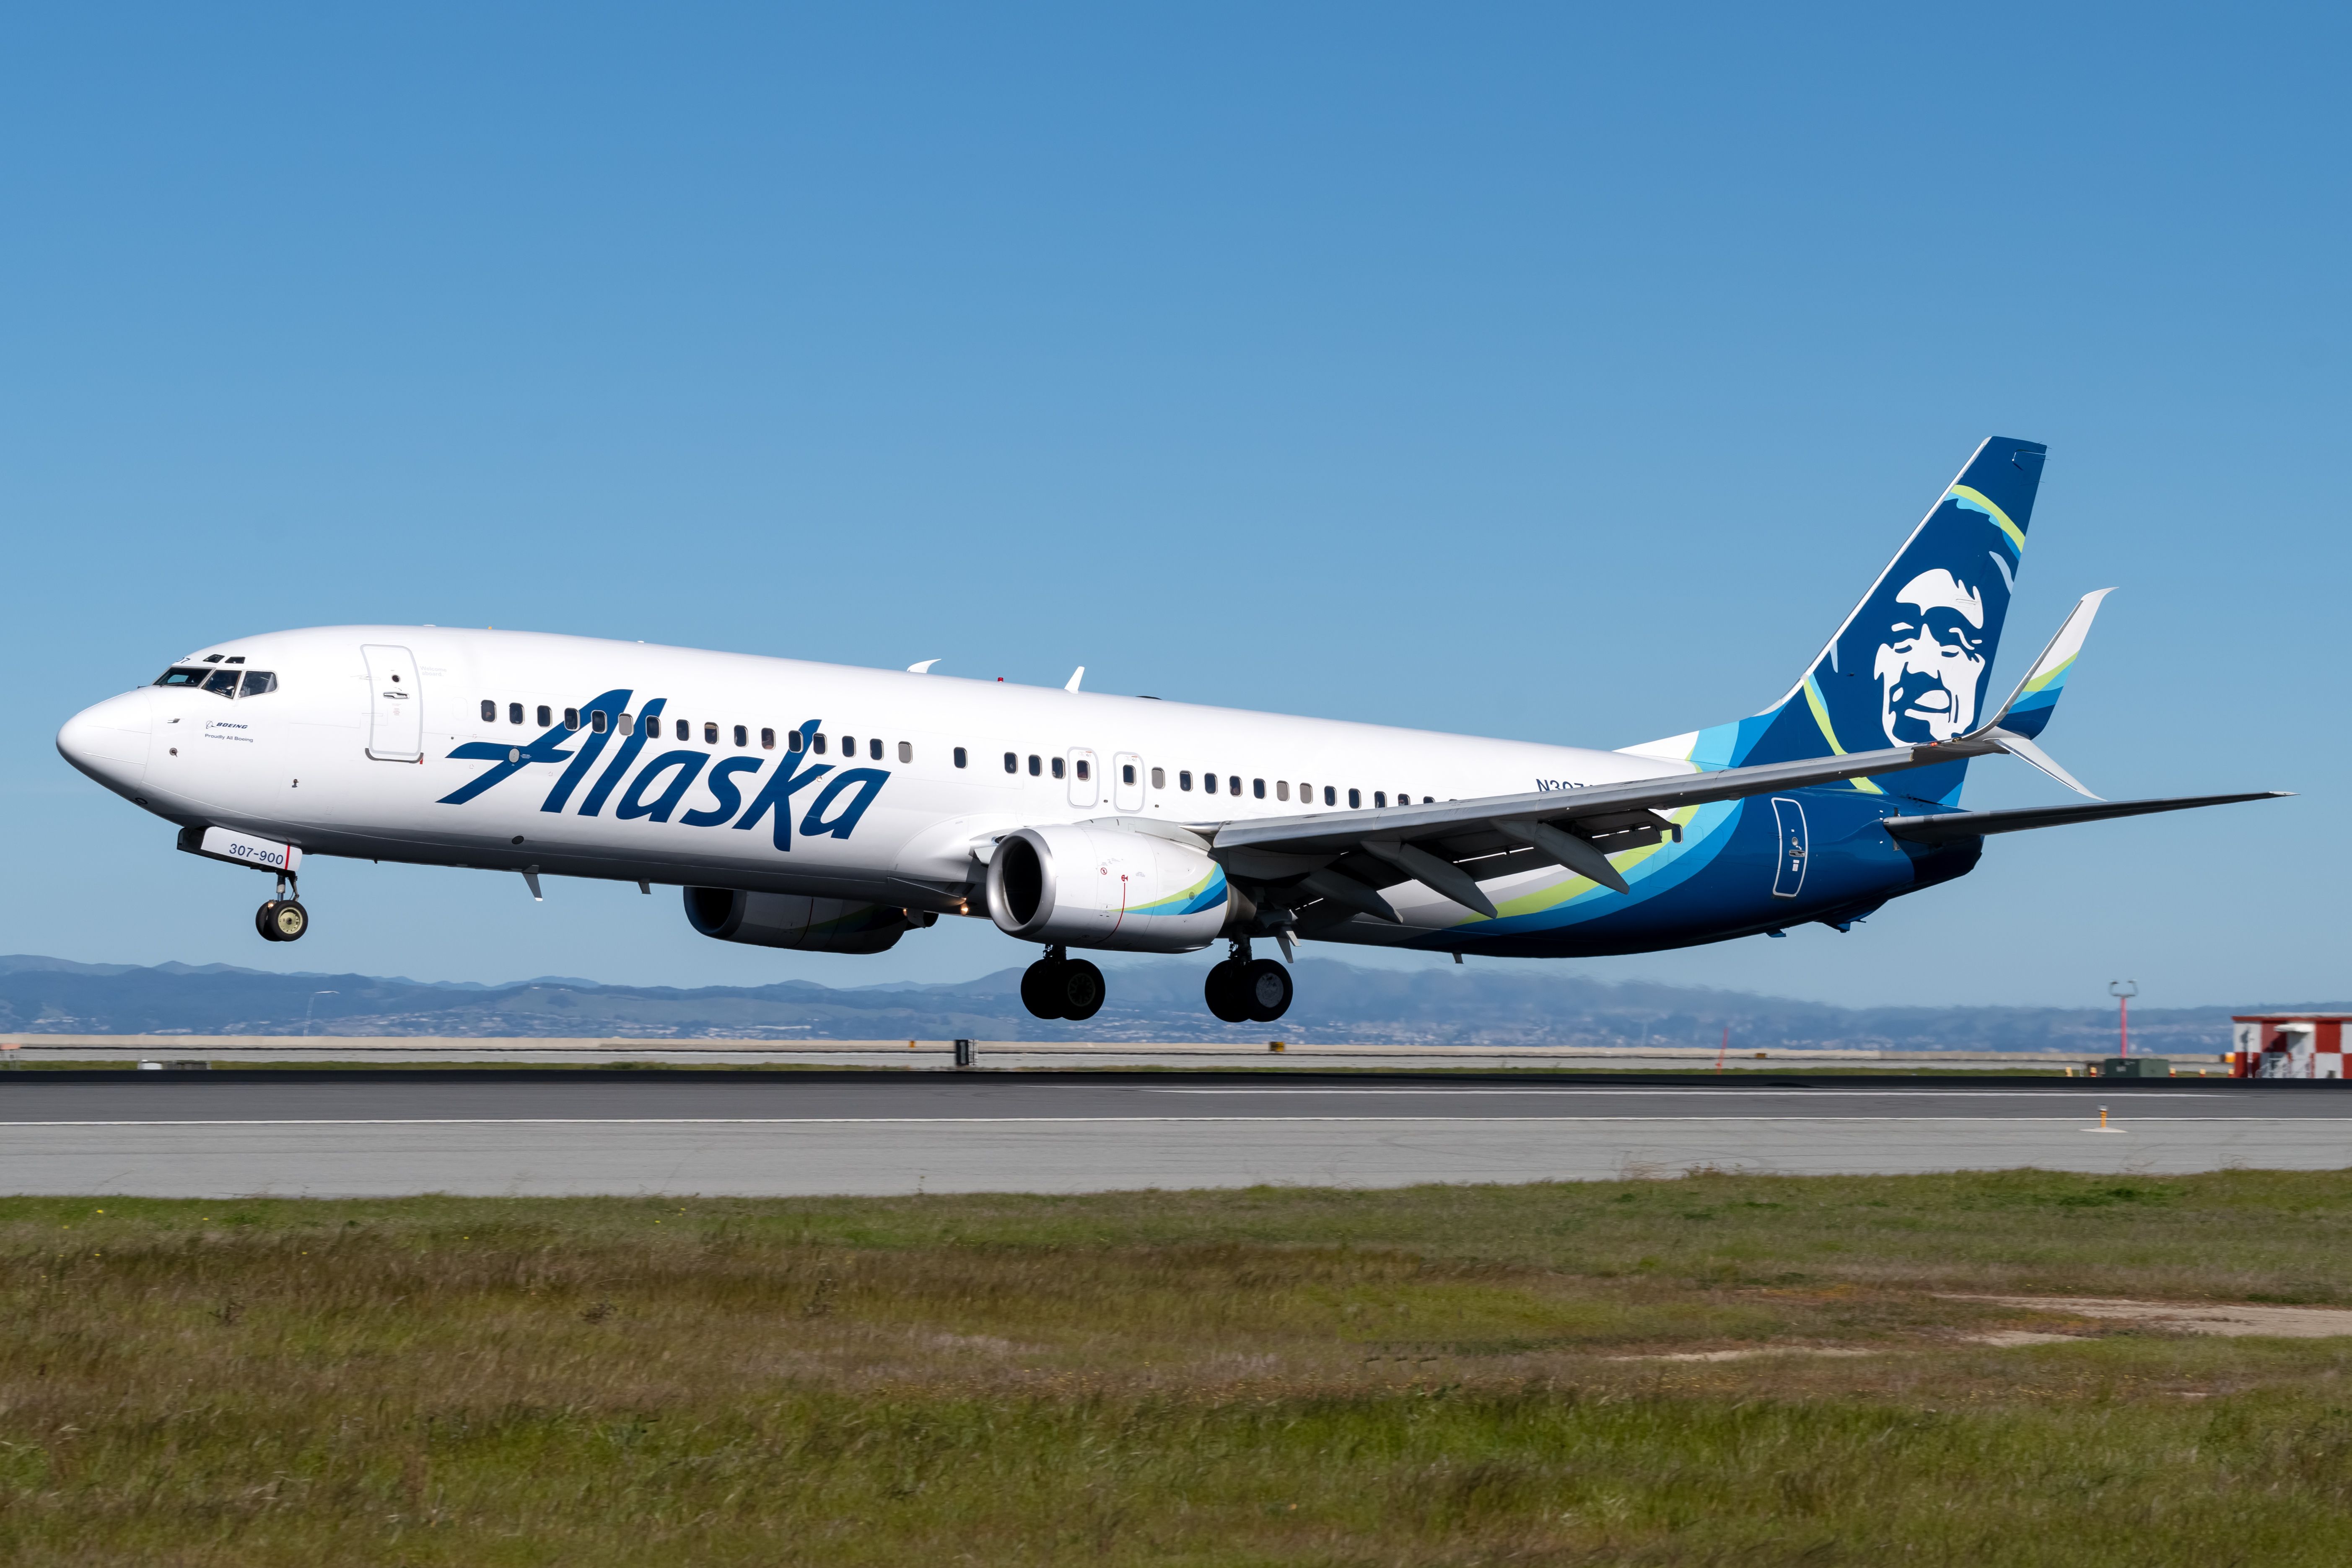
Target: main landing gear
x,y
1060,986
1243,990
283,918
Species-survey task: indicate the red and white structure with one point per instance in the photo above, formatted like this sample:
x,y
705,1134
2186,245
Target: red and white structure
x,y
2288,1045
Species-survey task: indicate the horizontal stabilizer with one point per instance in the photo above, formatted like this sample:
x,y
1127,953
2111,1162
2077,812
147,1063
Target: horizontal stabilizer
x,y
1951,825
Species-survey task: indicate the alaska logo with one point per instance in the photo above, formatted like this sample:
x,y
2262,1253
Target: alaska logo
x,y
660,787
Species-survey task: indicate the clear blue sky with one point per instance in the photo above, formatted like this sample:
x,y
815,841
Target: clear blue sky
x,y
1548,372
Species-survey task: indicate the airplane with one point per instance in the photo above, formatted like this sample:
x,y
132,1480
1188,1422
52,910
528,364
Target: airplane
x,y
831,808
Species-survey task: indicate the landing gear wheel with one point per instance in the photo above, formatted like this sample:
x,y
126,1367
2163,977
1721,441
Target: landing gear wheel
x,y
1223,992
288,921
263,918
1040,988
1265,990
1081,991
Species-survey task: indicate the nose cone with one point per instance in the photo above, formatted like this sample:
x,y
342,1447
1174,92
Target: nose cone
x,y
109,741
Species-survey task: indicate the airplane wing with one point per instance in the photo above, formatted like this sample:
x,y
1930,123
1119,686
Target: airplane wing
x,y
1344,857
1340,861
1951,825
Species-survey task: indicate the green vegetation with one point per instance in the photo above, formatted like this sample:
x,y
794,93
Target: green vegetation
x,y
1438,1376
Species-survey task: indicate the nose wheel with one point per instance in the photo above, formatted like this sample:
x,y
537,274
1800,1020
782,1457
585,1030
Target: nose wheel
x,y
1243,990
283,918
1056,986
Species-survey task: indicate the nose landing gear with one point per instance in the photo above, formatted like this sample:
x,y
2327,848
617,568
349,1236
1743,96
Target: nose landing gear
x,y
1060,986
1243,990
283,918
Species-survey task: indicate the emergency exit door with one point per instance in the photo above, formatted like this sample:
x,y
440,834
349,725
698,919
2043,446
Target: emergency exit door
x,y
1789,822
1085,789
395,705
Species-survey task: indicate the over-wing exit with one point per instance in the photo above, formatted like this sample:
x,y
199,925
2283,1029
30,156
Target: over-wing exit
x,y
830,808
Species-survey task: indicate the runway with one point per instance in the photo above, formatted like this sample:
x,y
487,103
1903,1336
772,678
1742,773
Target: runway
x,y
224,1134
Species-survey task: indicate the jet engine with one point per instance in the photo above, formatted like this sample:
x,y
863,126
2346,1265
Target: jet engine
x,y
1092,885
788,920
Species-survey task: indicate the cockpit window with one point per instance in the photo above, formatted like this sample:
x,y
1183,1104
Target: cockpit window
x,y
258,681
222,682
181,677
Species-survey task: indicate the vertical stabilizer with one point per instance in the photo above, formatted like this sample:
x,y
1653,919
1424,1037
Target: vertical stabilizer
x,y
1913,661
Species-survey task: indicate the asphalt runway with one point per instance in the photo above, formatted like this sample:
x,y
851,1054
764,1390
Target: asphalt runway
x,y
222,1134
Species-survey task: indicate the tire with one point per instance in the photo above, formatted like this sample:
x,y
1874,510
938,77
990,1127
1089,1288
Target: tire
x,y
1223,991
289,921
1040,989
1265,990
1082,990
262,918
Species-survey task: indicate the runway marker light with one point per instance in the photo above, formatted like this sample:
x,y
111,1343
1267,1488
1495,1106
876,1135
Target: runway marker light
x,y
2103,1119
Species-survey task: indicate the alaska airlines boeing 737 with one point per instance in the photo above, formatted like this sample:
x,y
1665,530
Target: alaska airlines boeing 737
x,y
830,808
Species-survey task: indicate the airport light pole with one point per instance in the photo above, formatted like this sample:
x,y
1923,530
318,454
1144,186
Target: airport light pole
x,y
2122,990
312,1003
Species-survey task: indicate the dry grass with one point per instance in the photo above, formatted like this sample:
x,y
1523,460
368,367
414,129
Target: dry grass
x,y
1428,1376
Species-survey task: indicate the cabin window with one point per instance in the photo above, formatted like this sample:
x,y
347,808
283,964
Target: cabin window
x,y
489,712
628,720
849,745
959,756
906,751
1282,789
1012,763
767,739
514,712
1209,783
223,683
1034,766
1380,798
1127,773
544,721
874,750
1085,769
1184,780
1257,789
1330,795
1160,778
181,678
795,740
816,743
1058,769
709,733
572,719
1233,784
257,682
596,720
742,737
1355,800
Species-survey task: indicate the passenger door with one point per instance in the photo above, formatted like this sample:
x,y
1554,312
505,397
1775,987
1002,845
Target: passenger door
x,y
1085,789
1789,871
395,705
1126,782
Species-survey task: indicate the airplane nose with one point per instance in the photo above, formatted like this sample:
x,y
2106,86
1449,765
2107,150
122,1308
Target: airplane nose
x,y
109,741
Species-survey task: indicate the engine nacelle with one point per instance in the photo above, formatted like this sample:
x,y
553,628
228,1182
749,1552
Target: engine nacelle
x,y
788,920
1093,886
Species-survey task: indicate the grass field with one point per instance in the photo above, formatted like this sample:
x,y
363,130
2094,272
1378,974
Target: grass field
x,y
1436,1375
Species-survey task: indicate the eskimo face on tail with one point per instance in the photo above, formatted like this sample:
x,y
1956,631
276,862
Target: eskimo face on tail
x,y
1911,667
1931,667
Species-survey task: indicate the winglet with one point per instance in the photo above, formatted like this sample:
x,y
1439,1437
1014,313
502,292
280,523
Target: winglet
x,y
922,668
1075,676
2027,711
2028,708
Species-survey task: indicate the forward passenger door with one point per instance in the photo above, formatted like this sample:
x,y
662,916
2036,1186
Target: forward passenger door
x,y
395,705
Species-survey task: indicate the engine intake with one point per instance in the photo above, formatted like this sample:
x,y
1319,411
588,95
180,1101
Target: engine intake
x,y
788,920
1089,884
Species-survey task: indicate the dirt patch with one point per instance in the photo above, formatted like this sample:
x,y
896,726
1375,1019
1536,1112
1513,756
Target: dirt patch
x,y
2174,1317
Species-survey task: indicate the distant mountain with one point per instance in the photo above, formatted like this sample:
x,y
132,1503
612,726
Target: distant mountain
x,y
1153,1000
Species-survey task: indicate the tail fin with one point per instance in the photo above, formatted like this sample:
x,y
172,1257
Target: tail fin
x,y
1911,664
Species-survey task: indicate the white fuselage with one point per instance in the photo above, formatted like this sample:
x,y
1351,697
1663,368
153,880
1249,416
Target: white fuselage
x,y
296,763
